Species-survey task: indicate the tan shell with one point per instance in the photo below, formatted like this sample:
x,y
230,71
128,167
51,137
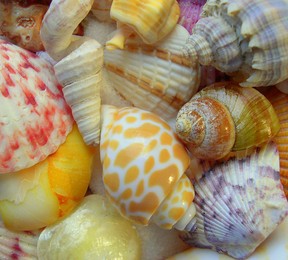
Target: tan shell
x,y
151,20
154,77
101,10
247,39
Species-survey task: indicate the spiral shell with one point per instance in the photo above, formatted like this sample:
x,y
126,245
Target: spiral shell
x,y
151,20
154,77
244,38
34,117
79,64
225,117
239,204
143,168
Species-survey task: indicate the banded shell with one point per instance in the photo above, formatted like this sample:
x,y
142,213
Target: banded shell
x,y
80,61
151,20
280,103
95,230
18,245
38,196
246,39
225,117
34,116
143,168
154,78
239,204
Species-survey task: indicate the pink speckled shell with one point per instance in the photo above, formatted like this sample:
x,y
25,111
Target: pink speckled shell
x,y
34,117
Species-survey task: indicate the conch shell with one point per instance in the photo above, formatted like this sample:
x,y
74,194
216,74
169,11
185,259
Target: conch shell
x,y
143,168
79,64
239,204
154,77
225,117
34,117
151,20
244,38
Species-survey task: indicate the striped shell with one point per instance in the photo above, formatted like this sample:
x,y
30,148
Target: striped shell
x,y
151,20
143,168
280,103
244,38
239,204
154,78
80,61
225,117
34,116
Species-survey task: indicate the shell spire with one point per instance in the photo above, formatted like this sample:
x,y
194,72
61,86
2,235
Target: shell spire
x,y
245,39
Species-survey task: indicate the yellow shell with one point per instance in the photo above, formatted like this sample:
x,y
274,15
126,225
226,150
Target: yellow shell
x,y
151,20
225,117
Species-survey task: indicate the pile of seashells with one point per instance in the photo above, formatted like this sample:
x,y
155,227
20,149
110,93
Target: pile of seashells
x,y
175,118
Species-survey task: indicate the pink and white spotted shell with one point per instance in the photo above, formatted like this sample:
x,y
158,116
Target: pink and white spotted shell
x,y
34,117
143,166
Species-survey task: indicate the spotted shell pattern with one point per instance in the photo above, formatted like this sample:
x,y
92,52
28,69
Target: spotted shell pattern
x,y
142,162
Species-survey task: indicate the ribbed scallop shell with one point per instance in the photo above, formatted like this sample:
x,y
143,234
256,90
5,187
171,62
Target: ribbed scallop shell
x,y
225,117
155,78
18,245
151,20
143,168
245,38
280,103
34,116
239,204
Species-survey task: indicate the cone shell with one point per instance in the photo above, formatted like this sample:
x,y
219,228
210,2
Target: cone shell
x,y
246,39
142,163
34,116
280,103
18,245
151,20
225,117
154,78
239,204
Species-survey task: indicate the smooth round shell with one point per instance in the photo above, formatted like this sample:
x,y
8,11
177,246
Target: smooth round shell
x,y
34,116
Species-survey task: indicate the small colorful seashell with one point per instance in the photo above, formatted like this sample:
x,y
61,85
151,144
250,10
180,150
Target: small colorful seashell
x,y
239,204
225,117
143,168
34,117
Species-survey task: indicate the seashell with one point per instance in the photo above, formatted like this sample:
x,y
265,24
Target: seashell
x,y
95,230
190,11
143,168
34,116
101,10
151,20
280,101
154,78
79,64
239,204
283,86
48,190
18,245
246,39
225,117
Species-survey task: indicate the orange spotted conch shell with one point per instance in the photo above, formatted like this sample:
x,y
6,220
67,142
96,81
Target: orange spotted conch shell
x,y
151,20
143,168
225,117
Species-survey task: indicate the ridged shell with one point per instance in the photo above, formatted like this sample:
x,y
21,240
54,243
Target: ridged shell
x,y
239,204
151,20
34,116
246,39
225,117
154,78
280,103
79,66
143,168
18,245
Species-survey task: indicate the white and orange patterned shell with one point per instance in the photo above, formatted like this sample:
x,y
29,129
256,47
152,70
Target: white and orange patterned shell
x,y
34,117
143,161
